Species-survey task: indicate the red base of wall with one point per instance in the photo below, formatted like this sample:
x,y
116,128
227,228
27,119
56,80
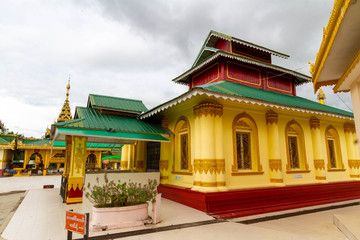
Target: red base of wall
x,y
247,202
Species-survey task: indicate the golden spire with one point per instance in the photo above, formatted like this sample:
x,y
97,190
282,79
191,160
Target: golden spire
x,y
65,114
321,96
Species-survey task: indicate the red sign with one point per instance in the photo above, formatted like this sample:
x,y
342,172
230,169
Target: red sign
x,y
75,222
106,161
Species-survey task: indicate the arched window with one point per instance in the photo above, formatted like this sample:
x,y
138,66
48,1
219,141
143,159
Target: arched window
x,y
245,145
182,146
295,147
333,148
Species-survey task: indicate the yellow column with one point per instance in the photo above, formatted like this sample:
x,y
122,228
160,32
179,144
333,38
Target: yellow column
x,y
354,162
164,156
317,143
355,99
206,113
197,153
131,156
124,157
26,158
219,151
140,158
274,147
68,142
77,169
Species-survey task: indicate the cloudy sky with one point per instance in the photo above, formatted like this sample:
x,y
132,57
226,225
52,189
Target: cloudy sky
x,y
134,48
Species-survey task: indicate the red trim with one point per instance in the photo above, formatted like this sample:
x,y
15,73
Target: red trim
x,y
247,202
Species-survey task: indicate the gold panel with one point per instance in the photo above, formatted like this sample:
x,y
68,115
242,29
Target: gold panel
x,y
221,184
197,165
208,165
275,180
275,164
140,164
164,177
75,182
354,176
197,183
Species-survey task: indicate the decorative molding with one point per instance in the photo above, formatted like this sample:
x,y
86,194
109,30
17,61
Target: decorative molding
x,y
197,165
220,166
354,176
164,165
164,177
208,184
208,166
246,173
181,173
165,123
208,108
123,165
197,183
275,164
314,123
140,164
199,91
349,127
298,171
336,170
220,184
271,117
319,164
276,180
354,163
320,177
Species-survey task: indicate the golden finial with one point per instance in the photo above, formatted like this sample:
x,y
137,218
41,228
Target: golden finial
x,y
321,96
65,114
311,68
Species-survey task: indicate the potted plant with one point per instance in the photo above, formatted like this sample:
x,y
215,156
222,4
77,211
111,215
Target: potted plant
x,y
118,205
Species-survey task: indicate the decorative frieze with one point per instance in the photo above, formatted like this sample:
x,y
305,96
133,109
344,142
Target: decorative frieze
x,y
314,123
165,123
140,164
354,164
271,117
207,166
208,108
220,166
319,164
349,127
123,165
197,165
164,165
275,164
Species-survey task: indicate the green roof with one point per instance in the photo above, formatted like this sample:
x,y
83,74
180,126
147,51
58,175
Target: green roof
x,y
6,139
91,118
116,103
226,87
42,142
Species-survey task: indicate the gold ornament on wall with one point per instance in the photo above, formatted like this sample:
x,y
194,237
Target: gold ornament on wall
x,y
319,164
208,108
275,164
271,117
164,165
349,127
314,123
220,166
208,165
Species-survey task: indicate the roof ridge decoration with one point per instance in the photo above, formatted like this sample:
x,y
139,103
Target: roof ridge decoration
x,y
65,114
236,40
248,44
329,35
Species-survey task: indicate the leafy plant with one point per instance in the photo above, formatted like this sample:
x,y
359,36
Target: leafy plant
x,y
113,194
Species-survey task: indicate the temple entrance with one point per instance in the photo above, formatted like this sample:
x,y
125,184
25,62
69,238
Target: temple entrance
x,y
153,156
91,161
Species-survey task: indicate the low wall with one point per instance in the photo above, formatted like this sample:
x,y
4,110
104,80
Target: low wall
x,y
141,177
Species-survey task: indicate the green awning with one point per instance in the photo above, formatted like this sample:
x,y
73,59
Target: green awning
x,y
111,157
102,136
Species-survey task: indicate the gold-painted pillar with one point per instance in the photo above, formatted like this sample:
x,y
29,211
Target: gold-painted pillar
x,y
274,147
131,157
206,113
68,147
219,150
354,162
26,158
319,162
124,157
46,162
164,156
77,169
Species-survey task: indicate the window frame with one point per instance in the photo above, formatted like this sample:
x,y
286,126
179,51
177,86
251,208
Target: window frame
x,y
182,127
332,134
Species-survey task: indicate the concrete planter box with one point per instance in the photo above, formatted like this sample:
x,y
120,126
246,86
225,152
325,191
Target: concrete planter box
x,y
119,217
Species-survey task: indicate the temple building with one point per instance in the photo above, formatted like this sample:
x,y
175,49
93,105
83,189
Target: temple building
x,y
43,156
338,60
238,142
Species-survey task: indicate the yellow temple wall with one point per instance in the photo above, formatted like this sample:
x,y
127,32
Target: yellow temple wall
x,y
262,178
